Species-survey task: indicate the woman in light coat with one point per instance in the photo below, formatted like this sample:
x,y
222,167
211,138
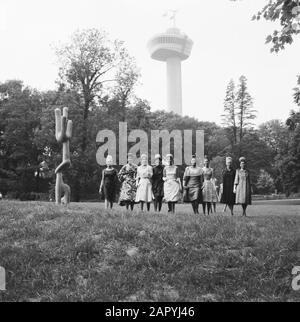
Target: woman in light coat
x,y
242,186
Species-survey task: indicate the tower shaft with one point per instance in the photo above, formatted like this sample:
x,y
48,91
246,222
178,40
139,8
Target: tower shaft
x,y
174,88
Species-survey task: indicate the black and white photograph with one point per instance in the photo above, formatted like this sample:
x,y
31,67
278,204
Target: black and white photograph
x,y
150,154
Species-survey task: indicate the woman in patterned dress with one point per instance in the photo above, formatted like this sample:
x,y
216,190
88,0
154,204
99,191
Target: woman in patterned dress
x,y
242,186
144,187
192,183
109,183
172,183
127,176
228,176
209,192
158,183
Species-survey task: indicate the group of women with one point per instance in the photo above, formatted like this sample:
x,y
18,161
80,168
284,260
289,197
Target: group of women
x,y
145,184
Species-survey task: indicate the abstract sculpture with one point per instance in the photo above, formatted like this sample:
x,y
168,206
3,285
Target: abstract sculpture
x,y
63,134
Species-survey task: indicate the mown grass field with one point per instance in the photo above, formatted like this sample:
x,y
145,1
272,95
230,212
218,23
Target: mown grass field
x,y
85,253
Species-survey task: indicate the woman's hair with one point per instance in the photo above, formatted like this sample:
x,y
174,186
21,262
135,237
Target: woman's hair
x,y
109,158
158,157
228,159
242,159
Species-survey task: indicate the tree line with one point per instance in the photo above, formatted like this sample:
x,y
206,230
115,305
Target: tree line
x,y
97,79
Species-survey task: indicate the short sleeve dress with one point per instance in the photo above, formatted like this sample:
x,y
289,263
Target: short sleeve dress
x,y
144,189
209,191
127,177
171,184
193,179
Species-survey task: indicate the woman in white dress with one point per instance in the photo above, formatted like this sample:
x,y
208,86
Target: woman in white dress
x,y
144,192
172,183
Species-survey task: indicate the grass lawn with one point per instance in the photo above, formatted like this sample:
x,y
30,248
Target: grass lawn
x,y
85,253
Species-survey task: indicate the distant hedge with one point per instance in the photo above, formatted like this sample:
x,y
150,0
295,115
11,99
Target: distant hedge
x,y
31,196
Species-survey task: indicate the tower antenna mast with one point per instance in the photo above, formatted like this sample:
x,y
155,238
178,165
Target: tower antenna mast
x,y
171,15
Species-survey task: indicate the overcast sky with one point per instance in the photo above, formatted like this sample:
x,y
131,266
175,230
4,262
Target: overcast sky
x,y
227,44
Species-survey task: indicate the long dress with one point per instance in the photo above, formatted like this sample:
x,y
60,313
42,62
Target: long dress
x,y
209,191
193,180
158,182
171,184
144,188
228,196
127,176
243,189
110,184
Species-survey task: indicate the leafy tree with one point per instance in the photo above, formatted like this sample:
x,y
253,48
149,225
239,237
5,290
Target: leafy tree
x,y
275,134
265,183
287,13
288,157
218,164
229,116
257,153
293,121
97,78
288,161
20,109
237,117
218,143
297,92
89,61
126,78
244,106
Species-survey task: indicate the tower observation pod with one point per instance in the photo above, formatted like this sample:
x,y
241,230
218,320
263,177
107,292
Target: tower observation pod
x,y
172,47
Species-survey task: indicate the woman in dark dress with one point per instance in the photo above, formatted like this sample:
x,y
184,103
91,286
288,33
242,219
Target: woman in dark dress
x,y
158,183
109,183
228,176
193,180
